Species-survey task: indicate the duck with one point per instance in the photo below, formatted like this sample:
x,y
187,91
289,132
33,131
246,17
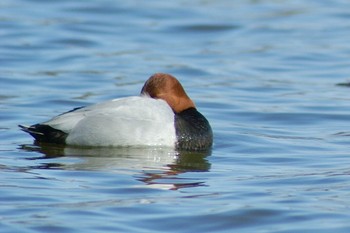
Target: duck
x,y
162,115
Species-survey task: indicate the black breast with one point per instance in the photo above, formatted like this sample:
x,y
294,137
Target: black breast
x,y
193,130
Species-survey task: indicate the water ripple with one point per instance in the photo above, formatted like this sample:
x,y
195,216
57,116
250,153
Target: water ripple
x,y
271,77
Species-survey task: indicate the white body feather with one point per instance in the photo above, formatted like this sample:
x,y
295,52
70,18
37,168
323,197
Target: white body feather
x,y
130,121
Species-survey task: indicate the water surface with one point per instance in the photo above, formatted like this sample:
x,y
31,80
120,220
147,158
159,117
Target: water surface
x,y
264,73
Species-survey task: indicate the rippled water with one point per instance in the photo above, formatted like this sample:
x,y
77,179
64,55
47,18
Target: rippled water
x,y
271,76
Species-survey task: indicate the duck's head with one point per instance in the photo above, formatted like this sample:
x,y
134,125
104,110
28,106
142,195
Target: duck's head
x,y
167,87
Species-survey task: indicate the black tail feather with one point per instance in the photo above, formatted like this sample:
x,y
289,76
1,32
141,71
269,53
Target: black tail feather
x,y
31,130
45,133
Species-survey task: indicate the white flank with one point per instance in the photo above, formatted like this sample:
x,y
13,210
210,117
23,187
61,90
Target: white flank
x,y
130,121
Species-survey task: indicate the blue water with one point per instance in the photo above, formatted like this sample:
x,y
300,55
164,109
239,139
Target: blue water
x,y
266,74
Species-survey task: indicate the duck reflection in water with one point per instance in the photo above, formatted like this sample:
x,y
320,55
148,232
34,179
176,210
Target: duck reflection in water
x,y
156,167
